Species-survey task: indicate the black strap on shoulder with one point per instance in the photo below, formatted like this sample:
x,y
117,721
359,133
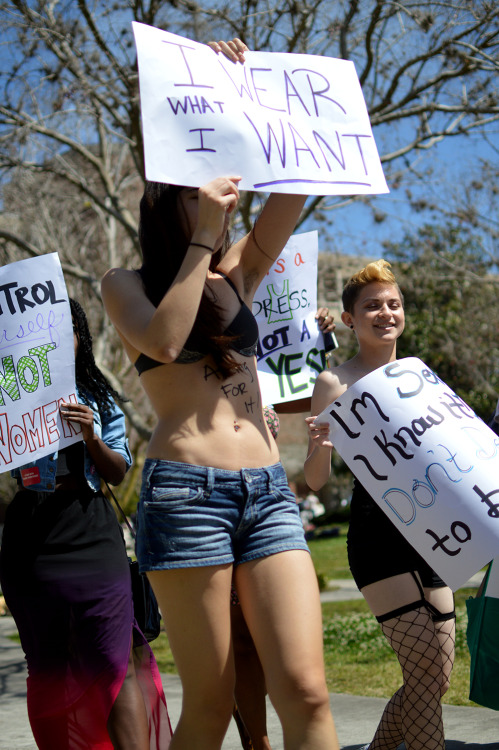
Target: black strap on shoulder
x,y
231,284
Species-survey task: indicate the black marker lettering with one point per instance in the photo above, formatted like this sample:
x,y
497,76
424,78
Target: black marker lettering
x,y
374,473
385,446
209,371
362,402
493,511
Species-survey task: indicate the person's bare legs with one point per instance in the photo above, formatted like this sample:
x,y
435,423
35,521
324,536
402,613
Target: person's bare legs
x,y
128,724
280,600
195,606
425,652
250,690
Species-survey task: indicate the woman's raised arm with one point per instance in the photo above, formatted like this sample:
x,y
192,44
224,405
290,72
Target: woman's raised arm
x,y
161,332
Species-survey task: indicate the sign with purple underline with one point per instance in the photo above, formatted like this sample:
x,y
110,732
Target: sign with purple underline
x,y
287,123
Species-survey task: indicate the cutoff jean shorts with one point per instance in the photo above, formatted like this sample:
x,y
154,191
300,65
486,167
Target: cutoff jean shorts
x,y
193,516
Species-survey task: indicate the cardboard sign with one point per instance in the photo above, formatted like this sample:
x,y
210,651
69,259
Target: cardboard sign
x,y
428,461
290,351
286,123
37,370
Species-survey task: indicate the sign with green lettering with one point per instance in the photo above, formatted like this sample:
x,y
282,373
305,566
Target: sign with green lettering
x,y
290,351
36,360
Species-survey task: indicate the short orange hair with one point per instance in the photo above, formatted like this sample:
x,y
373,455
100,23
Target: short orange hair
x,y
378,270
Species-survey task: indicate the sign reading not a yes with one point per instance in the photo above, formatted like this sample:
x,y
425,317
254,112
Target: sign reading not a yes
x,y
287,123
290,352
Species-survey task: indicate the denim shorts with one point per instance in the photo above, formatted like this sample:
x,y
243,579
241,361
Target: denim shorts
x,y
192,516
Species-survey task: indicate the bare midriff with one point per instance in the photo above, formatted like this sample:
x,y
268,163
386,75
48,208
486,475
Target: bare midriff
x,y
206,420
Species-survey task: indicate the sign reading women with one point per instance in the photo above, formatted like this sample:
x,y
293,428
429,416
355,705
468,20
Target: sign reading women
x,y
287,123
36,361
428,461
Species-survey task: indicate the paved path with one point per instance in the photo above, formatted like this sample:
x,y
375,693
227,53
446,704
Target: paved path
x,y
342,589
356,717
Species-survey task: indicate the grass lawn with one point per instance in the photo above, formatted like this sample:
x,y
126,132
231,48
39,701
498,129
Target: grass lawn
x,y
357,657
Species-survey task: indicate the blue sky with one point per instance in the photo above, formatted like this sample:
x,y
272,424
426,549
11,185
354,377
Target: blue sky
x,y
455,164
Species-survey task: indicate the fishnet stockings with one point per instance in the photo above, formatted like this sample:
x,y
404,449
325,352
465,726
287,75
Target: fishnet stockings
x,y
425,650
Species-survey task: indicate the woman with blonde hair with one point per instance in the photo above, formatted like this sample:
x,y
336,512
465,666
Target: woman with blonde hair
x,y
412,604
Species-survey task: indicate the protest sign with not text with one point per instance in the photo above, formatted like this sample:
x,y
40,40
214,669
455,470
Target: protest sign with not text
x,y
290,351
428,461
286,123
37,369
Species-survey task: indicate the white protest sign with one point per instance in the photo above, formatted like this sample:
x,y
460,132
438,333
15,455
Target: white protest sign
x,y
36,361
290,351
286,123
428,461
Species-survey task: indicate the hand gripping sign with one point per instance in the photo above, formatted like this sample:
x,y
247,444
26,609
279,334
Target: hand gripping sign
x,y
36,361
290,351
287,123
428,461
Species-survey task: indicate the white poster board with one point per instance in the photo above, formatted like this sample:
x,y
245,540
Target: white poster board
x,y
284,122
36,361
290,351
428,461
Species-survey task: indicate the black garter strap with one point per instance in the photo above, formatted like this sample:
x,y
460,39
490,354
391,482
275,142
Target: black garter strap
x,y
435,614
401,610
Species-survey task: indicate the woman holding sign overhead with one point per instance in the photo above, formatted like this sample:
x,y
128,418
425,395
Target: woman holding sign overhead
x,y
413,605
214,495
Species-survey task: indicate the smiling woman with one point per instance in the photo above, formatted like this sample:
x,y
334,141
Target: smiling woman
x,y
412,604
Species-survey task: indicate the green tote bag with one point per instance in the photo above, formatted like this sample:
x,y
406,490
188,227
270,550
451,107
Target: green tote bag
x,y
483,642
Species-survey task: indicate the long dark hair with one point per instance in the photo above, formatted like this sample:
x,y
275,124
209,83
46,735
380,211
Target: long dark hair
x,y
89,379
164,244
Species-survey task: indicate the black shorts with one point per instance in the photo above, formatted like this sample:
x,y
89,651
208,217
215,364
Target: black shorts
x,y
377,550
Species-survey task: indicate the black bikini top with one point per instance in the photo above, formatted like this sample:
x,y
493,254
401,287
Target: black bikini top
x,y
244,327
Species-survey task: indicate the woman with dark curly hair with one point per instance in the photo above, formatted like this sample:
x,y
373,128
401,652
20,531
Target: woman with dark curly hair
x,y
92,678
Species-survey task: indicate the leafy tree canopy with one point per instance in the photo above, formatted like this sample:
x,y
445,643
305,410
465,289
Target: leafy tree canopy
x,y
71,152
452,316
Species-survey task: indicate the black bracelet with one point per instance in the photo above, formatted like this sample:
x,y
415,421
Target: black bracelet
x,y
200,244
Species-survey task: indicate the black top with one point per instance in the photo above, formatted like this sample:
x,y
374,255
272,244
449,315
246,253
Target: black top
x,y
244,328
